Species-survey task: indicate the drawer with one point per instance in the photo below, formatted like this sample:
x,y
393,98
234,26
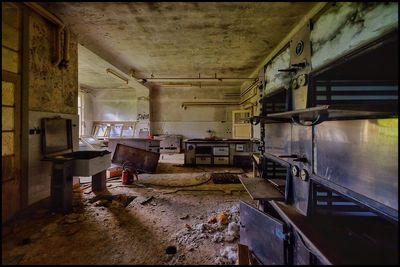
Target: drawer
x,y
221,151
203,160
221,160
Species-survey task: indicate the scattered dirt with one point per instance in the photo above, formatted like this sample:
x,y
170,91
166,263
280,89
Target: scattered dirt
x,y
118,233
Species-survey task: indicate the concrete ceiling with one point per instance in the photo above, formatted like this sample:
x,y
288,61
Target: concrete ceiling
x,y
181,39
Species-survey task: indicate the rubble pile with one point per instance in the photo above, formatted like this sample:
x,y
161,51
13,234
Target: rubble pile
x,y
228,256
222,226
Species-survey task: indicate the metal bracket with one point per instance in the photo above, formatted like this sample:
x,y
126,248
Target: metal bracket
x,y
321,117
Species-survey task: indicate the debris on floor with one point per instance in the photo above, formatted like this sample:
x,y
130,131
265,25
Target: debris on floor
x,y
222,218
13,261
71,229
100,226
171,250
228,255
184,217
226,230
147,200
50,229
112,200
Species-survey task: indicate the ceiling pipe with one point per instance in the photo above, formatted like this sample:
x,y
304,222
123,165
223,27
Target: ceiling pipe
x,y
195,79
251,86
175,85
205,103
60,28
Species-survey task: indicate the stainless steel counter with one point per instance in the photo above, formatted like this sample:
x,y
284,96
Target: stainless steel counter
x,y
235,152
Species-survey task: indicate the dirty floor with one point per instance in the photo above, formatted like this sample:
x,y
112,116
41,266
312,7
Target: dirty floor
x,y
164,218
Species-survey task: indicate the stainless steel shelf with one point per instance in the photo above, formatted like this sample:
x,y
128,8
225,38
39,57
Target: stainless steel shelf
x,y
330,112
261,189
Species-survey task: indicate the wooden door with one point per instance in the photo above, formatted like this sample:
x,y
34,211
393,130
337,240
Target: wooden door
x,y
240,125
11,111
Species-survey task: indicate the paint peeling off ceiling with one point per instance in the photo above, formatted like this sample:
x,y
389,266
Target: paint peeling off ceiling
x,y
182,39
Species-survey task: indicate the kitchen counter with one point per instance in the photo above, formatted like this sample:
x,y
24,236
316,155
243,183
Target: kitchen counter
x,y
218,141
234,152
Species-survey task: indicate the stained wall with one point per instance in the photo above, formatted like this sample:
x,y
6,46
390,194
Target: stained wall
x,y
52,92
168,116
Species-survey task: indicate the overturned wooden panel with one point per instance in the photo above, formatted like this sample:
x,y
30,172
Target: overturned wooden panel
x,y
139,159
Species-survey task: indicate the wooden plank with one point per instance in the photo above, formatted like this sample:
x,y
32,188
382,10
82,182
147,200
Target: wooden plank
x,y
260,189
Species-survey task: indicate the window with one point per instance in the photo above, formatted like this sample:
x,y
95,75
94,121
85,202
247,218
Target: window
x,y
116,130
103,129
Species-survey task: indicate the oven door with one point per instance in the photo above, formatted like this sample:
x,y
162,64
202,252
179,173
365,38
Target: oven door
x,y
263,234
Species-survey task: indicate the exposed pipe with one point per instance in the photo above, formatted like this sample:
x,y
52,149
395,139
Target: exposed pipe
x,y
256,82
204,103
60,28
196,79
65,61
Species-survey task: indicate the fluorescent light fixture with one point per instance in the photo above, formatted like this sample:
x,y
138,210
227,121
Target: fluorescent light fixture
x,y
117,75
175,85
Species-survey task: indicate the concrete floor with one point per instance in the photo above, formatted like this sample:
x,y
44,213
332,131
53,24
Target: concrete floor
x,y
184,200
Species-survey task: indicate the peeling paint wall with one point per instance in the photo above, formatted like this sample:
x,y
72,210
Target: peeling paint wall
x,y
274,78
342,27
168,117
52,92
50,89
349,25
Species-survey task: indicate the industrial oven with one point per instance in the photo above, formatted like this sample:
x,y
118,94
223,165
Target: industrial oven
x,y
328,186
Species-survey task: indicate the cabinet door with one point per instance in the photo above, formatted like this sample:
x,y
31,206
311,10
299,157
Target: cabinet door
x,y
263,234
